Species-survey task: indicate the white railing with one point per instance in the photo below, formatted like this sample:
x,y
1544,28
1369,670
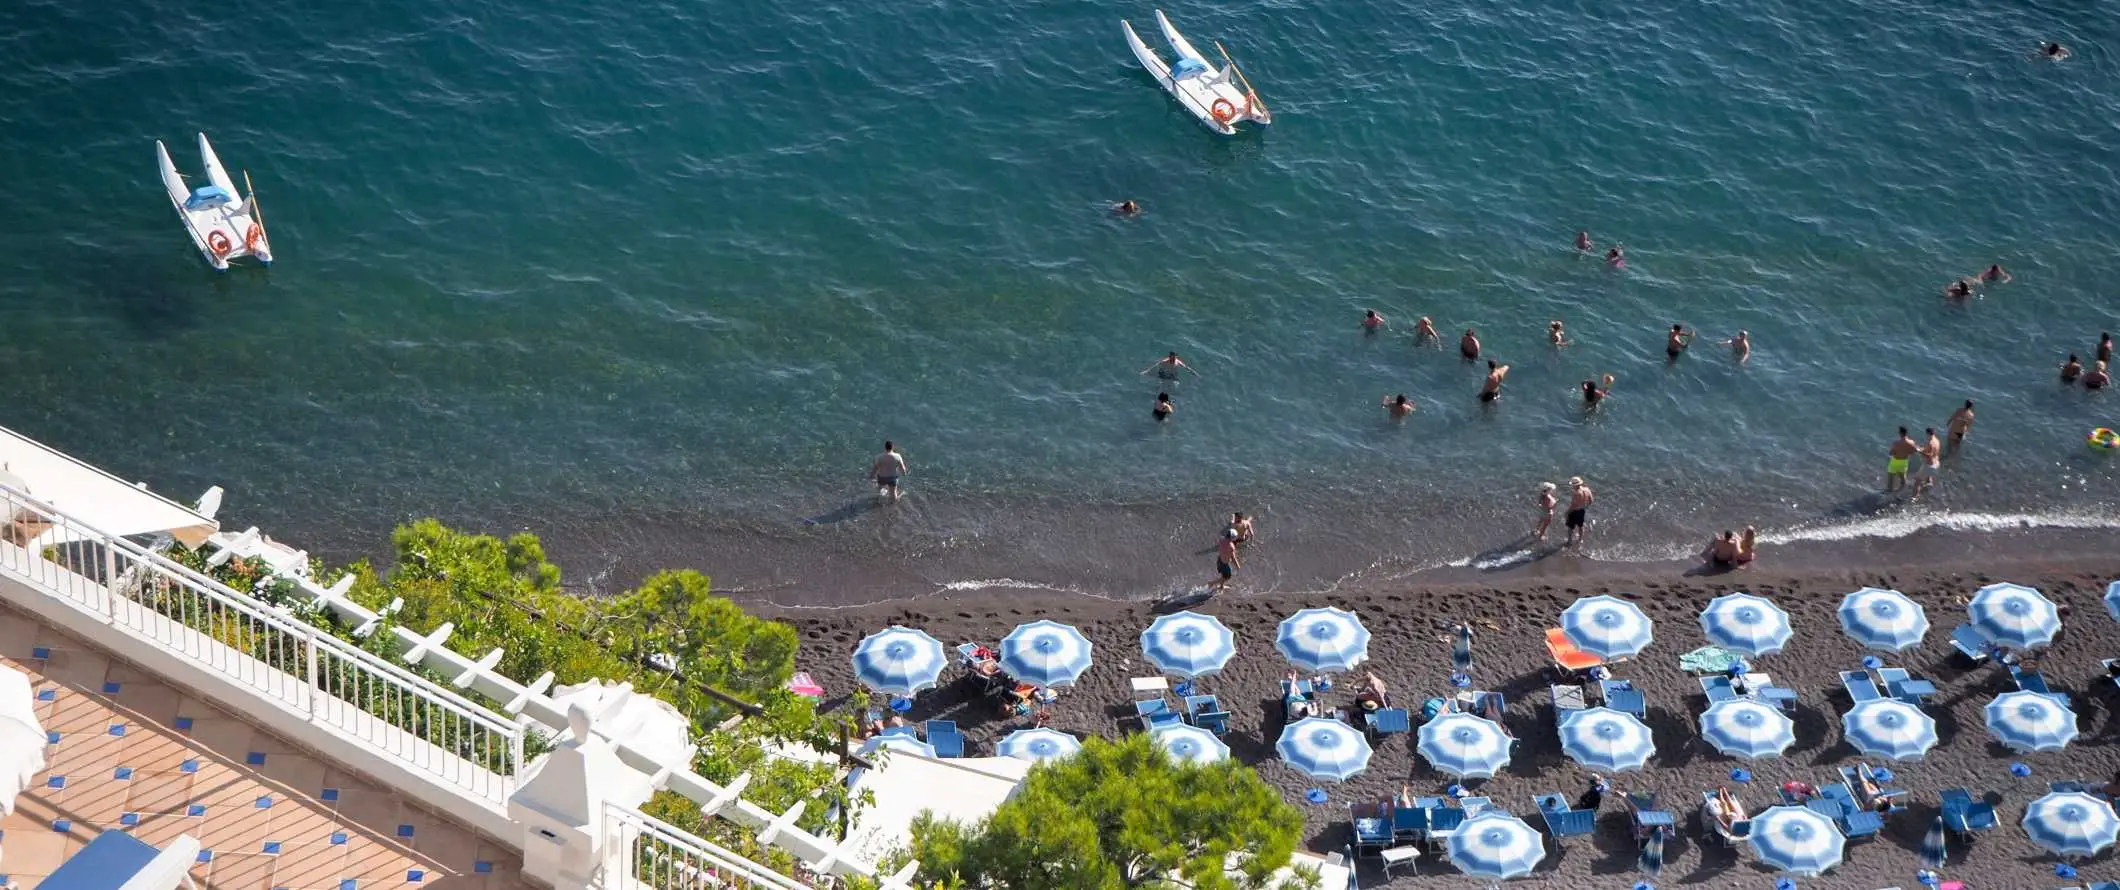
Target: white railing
x,y
265,648
642,852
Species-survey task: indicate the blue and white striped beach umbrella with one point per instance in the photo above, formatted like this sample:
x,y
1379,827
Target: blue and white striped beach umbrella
x,y
1188,644
2071,823
2030,721
2112,599
1038,744
1797,840
1191,744
1606,741
1497,846
2014,616
1327,749
1742,727
1607,627
1323,640
1883,619
899,661
1045,653
1886,727
1745,623
1464,745
896,742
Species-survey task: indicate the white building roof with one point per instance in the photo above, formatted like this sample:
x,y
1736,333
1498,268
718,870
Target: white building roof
x,y
963,789
110,504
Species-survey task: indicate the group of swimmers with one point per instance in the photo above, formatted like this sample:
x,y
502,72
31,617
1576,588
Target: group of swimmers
x,y
2098,377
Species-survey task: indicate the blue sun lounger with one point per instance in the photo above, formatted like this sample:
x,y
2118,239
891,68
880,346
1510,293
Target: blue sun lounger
x,y
1859,686
1970,643
1561,821
1964,814
2033,681
942,735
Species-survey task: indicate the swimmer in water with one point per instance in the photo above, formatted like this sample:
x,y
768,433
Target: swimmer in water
x,y
1167,367
1582,242
1425,331
1469,345
1741,345
1961,423
2105,348
1164,409
1617,256
1676,343
1371,321
1593,395
1556,333
2097,377
1959,290
1995,273
2054,51
1398,406
1492,389
2071,369
1128,207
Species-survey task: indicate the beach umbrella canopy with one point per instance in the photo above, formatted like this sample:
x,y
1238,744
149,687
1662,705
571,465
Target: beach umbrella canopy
x,y
1327,749
896,742
1887,727
1464,745
1191,744
2030,721
1797,840
1607,741
1746,623
1045,653
2013,616
1496,845
2112,599
1883,619
1188,644
1323,640
1741,727
1933,844
899,661
1606,626
2071,823
1038,744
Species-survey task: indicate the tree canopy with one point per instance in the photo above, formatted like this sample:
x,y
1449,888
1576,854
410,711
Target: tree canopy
x,y
1119,815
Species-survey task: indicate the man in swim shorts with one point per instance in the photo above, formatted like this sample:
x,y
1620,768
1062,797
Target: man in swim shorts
x,y
1961,423
1579,502
1167,368
1895,468
1930,464
1675,344
888,467
1227,559
1492,389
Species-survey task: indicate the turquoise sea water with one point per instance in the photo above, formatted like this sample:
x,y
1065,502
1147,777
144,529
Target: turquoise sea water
x,y
656,279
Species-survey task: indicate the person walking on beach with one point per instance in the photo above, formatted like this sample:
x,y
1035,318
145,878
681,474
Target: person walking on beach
x,y
1424,331
1579,502
1895,468
1492,389
1227,560
1398,406
1675,344
1925,473
886,469
1741,346
1371,321
1546,505
1469,345
1167,367
1164,409
1961,423
1556,333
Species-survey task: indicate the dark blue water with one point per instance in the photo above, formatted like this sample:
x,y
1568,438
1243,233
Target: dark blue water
x,y
657,279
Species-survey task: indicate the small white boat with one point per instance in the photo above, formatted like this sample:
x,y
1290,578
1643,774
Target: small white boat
x,y
1220,96
222,225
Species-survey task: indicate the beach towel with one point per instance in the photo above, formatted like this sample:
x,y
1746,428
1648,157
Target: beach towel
x,y
1710,660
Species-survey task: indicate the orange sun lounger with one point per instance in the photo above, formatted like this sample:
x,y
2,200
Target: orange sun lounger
x,y
1566,655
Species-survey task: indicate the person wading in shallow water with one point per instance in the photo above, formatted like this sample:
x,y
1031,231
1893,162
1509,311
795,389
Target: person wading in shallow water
x,y
1227,560
888,467
1579,502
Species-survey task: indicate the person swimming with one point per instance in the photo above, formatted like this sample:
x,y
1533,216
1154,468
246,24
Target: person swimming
x,y
1959,289
1167,367
2105,348
2097,378
1617,256
1675,345
1492,389
1582,242
1469,345
1128,207
1424,330
1371,321
2071,369
1996,273
1399,406
1164,409
2054,51
1741,345
1593,394
1556,333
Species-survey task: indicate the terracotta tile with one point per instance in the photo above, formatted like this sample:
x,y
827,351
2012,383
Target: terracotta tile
x,y
17,635
159,793
77,666
122,671
22,819
155,752
225,736
303,821
300,773
238,792
250,870
312,866
75,712
379,866
161,828
35,852
96,800
374,811
446,845
236,829
146,701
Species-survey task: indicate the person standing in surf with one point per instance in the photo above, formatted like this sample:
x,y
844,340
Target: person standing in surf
x,y
886,469
1547,503
1167,368
1398,406
1425,332
1675,344
1492,389
1227,560
1926,472
1895,468
1961,422
1469,345
1579,502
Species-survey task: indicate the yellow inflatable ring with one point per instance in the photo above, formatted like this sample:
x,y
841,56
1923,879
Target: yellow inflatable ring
x,y
2102,439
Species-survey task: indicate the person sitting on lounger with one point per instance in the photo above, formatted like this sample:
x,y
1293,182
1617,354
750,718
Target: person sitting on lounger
x,y
1371,695
1867,790
1728,810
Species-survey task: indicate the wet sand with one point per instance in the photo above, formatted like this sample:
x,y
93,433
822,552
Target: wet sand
x,y
1410,650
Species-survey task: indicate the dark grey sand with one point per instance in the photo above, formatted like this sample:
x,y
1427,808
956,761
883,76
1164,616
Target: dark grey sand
x,y
1410,650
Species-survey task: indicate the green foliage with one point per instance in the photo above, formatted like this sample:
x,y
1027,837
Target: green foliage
x,y
715,642
1119,815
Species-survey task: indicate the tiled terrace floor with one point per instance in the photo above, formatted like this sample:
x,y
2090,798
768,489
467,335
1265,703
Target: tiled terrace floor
x,y
128,752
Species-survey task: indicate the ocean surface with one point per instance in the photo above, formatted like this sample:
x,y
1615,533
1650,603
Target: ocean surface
x,y
656,279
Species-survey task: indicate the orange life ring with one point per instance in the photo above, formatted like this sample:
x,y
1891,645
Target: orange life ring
x,y
217,241
252,237
1223,111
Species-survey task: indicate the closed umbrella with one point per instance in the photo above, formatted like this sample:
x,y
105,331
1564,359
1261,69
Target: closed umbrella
x,y
899,661
22,737
1464,745
2071,823
2013,616
1741,727
1652,858
1327,749
896,742
1038,744
1188,644
1496,846
1933,845
1191,744
1889,728
1045,653
1323,640
1607,741
1746,623
1607,627
2030,721
1461,649
1797,840
1883,619
2112,599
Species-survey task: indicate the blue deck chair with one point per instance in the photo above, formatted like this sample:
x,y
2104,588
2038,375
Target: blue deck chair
x,y
1156,712
907,731
1861,823
2105,885
1969,643
2033,681
1859,686
1562,821
1620,695
942,735
1409,825
1963,814
1371,835
1443,821
1389,721
1827,807
1206,712
1717,688
1647,819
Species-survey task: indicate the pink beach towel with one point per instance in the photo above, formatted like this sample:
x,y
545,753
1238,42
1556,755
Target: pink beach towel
x,y
801,684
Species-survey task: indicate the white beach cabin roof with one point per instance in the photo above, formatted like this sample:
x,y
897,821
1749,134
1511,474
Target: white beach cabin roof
x,y
109,504
961,789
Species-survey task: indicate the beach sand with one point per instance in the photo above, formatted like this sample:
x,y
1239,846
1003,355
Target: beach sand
x,y
1410,650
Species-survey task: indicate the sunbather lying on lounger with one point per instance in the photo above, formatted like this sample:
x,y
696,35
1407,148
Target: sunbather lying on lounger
x,y
1727,809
